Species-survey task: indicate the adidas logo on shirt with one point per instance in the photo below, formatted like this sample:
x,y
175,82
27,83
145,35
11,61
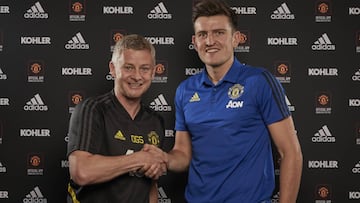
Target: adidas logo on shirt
x,y
195,97
160,104
282,13
162,195
323,43
77,42
323,135
35,104
35,195
159,12
36,11
3,76
119,136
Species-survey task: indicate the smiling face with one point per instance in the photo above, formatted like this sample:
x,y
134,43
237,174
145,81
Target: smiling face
x,y
215,40
133,72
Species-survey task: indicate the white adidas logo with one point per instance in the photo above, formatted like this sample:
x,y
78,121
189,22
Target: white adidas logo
x,y
35,104
356,168
162,195
160,104
2,75
36,100
355,77
291,108
283,13
159,12
36,11
323,135
323,43
2,168
77,42
35,194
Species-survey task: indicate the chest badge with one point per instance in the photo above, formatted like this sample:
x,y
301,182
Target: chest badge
x,y
153,138
235,91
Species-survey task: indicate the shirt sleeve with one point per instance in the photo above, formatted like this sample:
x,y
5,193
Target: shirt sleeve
x,y
271,99
85,128
179,110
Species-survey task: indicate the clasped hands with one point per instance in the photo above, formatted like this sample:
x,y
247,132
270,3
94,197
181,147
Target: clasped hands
x,y
155,162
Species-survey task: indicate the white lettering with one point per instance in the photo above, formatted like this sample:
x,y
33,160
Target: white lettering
x,y
234,104
355,77
354,102
323,139
76,71
323,164
193,71
36,15
159,16
356,170
34,132
4,102
282,16
323,47
323,71
34,200
35,40
161,108
117,10
354,195
169,133
282,41
35,108
4,195
354,11
4,9
77,46
245,10
160,40
3,77
64,164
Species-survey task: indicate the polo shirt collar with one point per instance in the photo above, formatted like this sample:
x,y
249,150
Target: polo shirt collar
x,y
231,76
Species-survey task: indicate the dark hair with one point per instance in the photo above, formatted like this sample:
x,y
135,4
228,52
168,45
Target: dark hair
x,y
212,8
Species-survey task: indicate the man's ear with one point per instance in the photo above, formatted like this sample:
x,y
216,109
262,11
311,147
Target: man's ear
x,y
193,42
236,38
112,69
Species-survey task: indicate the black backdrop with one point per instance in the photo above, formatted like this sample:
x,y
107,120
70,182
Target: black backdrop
x,y
55,53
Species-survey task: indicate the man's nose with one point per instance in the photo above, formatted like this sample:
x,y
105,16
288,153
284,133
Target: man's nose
x,y
209,39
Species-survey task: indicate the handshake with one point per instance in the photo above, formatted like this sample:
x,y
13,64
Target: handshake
x,y
153,161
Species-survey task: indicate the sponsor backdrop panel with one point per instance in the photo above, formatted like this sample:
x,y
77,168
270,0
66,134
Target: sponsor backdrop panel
x,y
54,54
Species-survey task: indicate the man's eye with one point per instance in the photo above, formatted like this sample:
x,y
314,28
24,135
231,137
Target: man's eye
x,y
129,68
220,33
201,35
145,69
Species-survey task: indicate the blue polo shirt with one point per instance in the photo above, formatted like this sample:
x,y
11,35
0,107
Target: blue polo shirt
x,y
231,145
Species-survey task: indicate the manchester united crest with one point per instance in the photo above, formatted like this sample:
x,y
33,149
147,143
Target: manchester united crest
x,y
153,138
235,91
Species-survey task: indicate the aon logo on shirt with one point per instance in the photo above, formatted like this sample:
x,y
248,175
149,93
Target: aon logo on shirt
x,y
234,104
